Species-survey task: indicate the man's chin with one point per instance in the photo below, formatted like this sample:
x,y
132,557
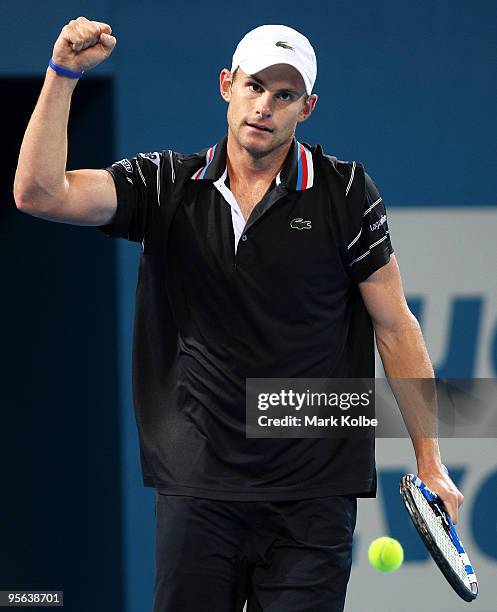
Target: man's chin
x,y
257,152
257,149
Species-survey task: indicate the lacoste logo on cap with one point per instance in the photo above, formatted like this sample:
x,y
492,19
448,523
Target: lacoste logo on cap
x,y
300,224
282,43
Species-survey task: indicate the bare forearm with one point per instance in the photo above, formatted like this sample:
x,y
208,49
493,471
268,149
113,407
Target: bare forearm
x,y
40,174
411,377
40,181
403,352
410,374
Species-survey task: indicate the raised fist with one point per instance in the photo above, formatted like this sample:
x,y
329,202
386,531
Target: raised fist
x,y
83,44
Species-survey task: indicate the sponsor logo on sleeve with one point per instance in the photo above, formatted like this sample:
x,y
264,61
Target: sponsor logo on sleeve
x,y
126,164
378,224
153,157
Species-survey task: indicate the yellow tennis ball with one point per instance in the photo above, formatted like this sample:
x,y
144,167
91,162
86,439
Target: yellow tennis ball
x,y
386,554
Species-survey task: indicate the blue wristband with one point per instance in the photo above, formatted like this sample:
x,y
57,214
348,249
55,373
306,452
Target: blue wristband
x,y
65,71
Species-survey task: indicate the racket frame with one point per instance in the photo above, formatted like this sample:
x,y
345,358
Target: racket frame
x,y
468,594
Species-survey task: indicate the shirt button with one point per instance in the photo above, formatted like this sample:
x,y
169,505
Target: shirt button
x,y
244,237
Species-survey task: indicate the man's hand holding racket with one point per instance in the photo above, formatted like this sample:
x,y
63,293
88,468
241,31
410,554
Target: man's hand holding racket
x,y
438,480
435,525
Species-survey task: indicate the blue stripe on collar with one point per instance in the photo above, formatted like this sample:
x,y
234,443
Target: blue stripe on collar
x,y
297,173
209,156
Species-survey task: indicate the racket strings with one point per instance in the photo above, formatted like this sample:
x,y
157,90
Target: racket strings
x,y
440,535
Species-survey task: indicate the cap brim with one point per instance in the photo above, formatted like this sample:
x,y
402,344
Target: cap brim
x,y
254,65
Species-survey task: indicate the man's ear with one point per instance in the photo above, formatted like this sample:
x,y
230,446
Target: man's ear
x,y
308,107
225,82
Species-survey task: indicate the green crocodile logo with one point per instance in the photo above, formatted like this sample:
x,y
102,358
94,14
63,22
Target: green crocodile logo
x,y
284,45
300,224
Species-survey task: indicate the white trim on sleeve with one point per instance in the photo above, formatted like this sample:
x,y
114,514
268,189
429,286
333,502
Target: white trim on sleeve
x,y
368,251
351,178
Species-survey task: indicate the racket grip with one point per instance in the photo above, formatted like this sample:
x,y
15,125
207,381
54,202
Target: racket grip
x,y
445,469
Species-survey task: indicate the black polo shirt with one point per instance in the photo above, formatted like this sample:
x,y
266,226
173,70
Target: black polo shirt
x,y
284,304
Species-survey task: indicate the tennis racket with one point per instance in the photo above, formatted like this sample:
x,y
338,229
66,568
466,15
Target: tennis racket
x,y
437,531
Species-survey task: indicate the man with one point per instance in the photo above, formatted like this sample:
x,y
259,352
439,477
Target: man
x,y
261,257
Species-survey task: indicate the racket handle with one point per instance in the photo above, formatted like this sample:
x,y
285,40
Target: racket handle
x,y
445,469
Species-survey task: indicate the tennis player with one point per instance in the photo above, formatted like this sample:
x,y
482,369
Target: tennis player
x,y
261,257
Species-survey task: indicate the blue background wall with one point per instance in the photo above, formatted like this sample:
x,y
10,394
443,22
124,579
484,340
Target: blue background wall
x,y
409,89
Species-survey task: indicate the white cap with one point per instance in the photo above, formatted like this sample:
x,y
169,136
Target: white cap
x,y
276,44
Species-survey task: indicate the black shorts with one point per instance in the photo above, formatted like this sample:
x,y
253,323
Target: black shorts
x,y
279,556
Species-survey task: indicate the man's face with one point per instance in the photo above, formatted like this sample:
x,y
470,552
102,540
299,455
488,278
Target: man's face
x,y
264,108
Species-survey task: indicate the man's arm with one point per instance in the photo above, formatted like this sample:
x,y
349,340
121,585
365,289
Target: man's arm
x,y
42,186
404,355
